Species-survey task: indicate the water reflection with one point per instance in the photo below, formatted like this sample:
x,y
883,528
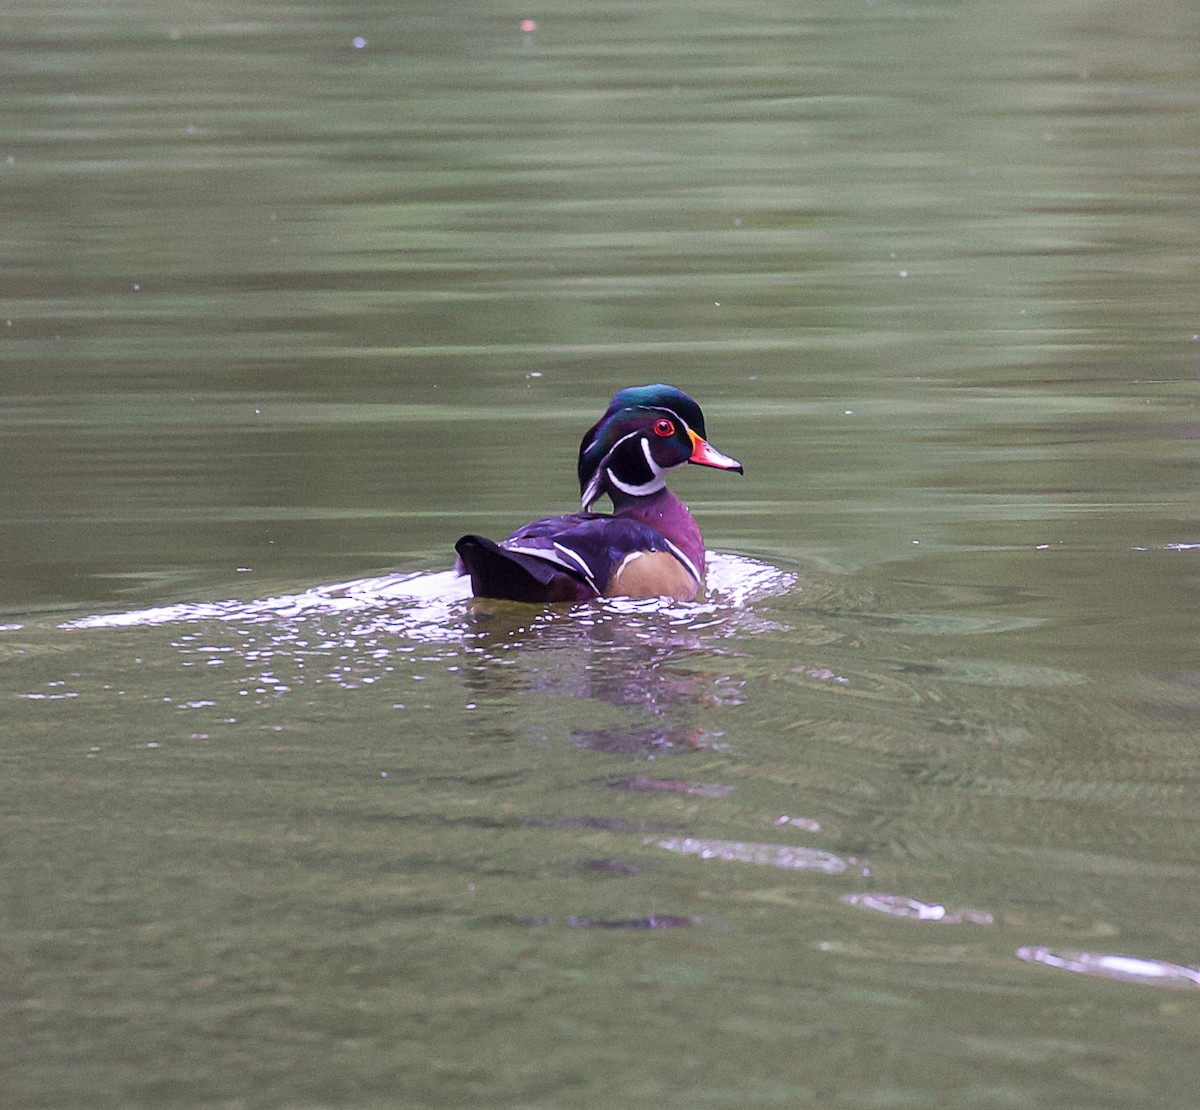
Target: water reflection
x,y
648,741
792,857
651,921
263,281
1124,969
896,905
671,786
658,661
426,605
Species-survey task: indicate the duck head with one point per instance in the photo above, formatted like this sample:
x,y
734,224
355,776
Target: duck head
x,y
647,430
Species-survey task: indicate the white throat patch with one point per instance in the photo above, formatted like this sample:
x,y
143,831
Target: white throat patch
x,y
653,486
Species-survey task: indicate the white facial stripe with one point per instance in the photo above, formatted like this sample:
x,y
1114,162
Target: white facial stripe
x,y
671,413
627,435
592,493
653,486
655,469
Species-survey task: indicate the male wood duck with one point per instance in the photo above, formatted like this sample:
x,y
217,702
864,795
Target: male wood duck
x,y
648,547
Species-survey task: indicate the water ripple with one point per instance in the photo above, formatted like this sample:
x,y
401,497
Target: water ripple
x,y
896,905
790,856
428,606
358,633
1125,969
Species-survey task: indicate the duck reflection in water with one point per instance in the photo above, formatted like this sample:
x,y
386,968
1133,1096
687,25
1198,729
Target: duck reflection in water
x,y
604,657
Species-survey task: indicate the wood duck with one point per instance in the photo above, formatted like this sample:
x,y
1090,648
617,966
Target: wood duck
x,y
648,547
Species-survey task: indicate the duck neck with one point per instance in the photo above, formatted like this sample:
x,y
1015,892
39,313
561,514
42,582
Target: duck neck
x,y
665,513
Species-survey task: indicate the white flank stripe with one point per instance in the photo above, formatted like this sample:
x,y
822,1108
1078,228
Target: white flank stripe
x,y
625,562
558,556
543,553
592,494
684,560
580,564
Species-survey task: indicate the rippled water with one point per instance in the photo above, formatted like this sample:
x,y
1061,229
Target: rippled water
x,y
901,814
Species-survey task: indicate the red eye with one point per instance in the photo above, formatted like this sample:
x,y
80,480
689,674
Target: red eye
x,y
664,428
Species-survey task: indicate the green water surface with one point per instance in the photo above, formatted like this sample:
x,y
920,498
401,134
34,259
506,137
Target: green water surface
x,y
904,815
